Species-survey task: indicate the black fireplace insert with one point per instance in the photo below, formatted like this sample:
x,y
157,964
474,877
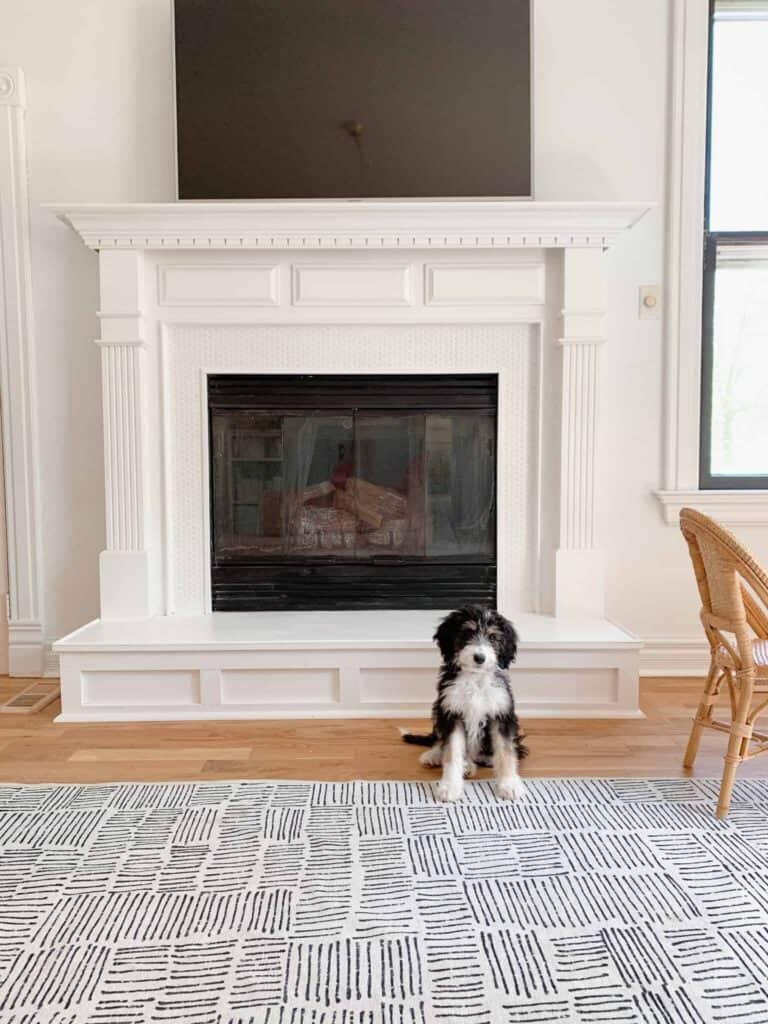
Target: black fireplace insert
x,y
352,491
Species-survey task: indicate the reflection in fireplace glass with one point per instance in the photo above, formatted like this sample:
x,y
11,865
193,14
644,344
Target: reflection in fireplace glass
x,y
352,492
358,484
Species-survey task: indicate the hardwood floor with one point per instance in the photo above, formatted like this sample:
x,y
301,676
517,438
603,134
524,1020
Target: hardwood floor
x,y
36,749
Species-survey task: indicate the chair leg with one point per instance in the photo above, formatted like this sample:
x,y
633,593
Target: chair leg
x,y
738,744
732,762
703,712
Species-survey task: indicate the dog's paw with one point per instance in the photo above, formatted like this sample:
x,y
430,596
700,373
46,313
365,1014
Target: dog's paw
x,y
449,792
470,769
511,789
432,758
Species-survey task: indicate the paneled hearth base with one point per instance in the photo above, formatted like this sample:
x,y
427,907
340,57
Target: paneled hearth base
x,y
325,665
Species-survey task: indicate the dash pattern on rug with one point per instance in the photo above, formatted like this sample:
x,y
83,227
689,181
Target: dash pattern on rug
x,y
371,903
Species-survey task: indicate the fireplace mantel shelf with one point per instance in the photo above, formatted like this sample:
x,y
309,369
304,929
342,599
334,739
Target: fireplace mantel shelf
x,y
350,224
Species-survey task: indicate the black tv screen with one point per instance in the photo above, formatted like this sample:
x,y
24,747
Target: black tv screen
x,y
292,99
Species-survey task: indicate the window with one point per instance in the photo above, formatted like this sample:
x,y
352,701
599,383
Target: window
x,y
734,421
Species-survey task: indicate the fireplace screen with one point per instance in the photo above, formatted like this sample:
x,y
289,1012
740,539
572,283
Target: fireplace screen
x,y
352,491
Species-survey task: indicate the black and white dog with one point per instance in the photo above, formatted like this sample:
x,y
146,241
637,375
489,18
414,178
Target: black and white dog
x,y
474,720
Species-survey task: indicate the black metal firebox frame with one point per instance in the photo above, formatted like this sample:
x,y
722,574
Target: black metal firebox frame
x,y
244,583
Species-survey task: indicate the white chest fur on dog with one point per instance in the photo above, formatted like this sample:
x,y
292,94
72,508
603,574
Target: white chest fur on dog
x,y
476,696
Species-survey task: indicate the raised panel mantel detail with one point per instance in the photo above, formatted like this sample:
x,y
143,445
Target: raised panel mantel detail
x,y
224,285
307,225
482,284
374,284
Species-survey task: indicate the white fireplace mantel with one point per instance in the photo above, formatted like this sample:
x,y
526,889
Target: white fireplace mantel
x,y
351,224
516,288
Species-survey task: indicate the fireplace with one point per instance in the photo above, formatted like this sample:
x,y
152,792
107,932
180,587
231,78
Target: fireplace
x,y
352,491
402,416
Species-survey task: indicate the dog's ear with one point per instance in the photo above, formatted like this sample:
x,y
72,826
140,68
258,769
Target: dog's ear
x,y
445,636
508,645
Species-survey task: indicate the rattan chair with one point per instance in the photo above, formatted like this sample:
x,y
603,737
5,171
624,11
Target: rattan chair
x,y
734,613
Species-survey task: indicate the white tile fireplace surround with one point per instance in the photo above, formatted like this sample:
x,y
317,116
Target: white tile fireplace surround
x,y
514,289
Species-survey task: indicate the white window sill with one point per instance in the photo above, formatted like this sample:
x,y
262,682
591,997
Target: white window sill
x,y
732,508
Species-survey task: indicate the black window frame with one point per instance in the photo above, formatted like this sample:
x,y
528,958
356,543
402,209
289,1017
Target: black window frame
x,y
712,242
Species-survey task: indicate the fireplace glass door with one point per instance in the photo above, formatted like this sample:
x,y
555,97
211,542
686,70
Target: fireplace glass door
x,y
352,492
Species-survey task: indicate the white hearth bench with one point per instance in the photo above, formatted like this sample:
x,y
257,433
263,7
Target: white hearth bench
x,y
513,288
328,664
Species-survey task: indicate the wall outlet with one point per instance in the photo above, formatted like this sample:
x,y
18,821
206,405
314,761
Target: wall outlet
x,y
650,302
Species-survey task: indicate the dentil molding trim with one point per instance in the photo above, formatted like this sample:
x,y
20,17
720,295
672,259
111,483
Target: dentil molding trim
x,y
351,224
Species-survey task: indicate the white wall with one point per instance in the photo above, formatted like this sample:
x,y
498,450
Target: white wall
x,y
601,98
601,123
100,127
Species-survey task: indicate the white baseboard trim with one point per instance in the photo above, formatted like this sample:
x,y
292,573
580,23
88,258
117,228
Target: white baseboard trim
x,y
26,649
674,656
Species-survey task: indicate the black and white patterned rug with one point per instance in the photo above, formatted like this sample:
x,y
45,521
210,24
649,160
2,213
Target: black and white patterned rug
x,y
371,903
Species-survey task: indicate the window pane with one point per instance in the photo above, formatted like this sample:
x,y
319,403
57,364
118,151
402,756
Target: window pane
x,y
739,134
740,363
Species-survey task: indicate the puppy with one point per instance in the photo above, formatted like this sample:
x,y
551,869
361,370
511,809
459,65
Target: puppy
x,y
474,720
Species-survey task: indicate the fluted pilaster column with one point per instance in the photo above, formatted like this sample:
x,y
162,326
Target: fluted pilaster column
x,y
125,566
579,575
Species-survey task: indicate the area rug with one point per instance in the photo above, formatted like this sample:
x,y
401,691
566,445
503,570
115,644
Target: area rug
x,y
371,903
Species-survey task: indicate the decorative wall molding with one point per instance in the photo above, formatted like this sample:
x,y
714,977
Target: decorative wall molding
x,y
419,224
18,389
686,162
438,287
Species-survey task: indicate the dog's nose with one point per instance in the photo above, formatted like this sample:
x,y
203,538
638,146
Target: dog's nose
x,y
479,657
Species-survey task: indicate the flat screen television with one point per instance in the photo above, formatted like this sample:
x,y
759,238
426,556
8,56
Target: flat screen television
x,y
344,99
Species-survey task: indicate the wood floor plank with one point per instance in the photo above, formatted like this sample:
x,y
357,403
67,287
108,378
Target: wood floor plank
x,y
39,750
104,755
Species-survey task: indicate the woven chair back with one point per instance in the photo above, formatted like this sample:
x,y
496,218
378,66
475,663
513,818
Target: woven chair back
x,y
732,585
